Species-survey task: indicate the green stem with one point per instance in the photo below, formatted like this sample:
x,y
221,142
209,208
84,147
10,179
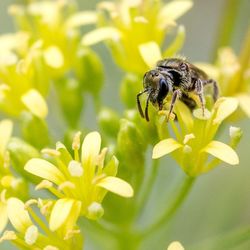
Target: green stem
x,y
175,204
227,25
226,241
149,186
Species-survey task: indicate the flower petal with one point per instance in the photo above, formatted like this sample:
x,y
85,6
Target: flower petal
x,y
165,147
60,213
244,102
81,18
117,186
225,107
6,127
150,53
175,245
222,151
45,170
172,11
3,216
35,103
18,216
54,57
100,35
91,147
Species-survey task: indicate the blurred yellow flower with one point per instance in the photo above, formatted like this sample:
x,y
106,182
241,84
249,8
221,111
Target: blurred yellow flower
x,y
82,181
130,26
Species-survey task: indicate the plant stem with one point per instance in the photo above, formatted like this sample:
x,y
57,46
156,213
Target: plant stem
x,y
149,186
225,241
175,204
227,25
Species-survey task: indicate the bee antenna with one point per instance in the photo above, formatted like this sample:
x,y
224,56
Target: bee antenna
x,y
139,103
146,108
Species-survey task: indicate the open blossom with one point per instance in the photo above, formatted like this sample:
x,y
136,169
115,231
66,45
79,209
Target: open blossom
x,y
79,181
9,184
132,28
195,138
32,232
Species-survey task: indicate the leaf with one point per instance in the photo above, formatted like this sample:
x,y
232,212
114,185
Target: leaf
x,y
164,147
222,151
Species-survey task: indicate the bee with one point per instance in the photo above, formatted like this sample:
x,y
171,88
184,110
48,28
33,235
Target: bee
x,y
176,76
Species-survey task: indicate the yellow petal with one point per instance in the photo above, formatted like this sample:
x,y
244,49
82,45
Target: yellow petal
x,y
165,147
18,216
177,44
54,57
175,245
60,213
150,53
101,34
6,127
81,18
172,11
91,147
45,170
225,107
3,216
222,151
244,102
117,186
35,103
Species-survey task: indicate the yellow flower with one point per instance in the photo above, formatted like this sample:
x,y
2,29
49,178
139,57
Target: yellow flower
x,y
175,245
81,180
195,138
9,184
27,225
232,73
134,30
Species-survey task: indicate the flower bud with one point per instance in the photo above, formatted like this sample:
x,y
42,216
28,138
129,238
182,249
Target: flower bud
x,y
109,122
20,152
95,211
34,130
131,145
130,87
235,135
71,100
89,70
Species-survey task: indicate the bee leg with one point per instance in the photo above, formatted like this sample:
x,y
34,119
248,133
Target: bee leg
x,y
176,94
199,92
139,103
146,109
215,88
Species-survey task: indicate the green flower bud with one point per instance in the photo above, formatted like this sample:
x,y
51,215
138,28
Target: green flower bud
x,y
109,122
130,87
95,211
20,152
131,145
235,135
89,70
71,100
34,130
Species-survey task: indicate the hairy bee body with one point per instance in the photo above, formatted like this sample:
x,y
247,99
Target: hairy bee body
x,y
176,76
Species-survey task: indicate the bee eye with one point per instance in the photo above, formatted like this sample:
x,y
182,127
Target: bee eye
x,y
183,66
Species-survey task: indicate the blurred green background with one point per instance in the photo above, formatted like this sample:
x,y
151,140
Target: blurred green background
x,y
220,200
